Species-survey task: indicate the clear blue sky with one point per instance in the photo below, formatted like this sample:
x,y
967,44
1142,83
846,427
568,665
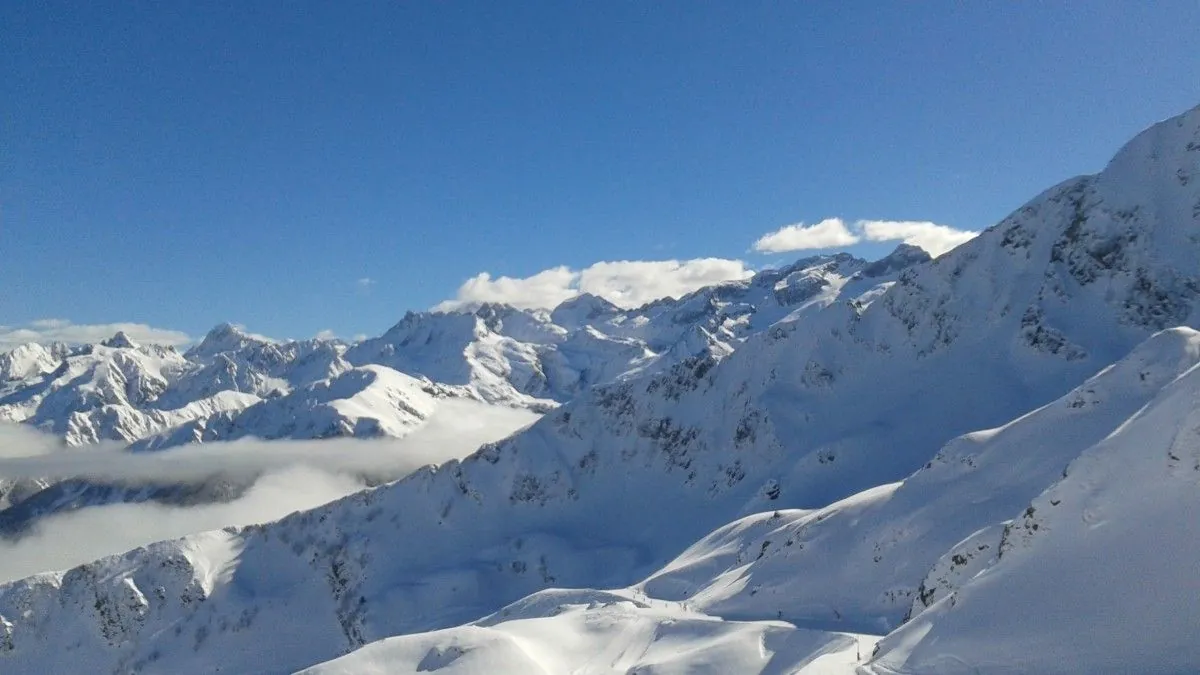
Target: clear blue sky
x,y
181,164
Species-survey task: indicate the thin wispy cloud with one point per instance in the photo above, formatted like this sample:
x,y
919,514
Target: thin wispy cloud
x,y
364,284
836,233
626,283
45,331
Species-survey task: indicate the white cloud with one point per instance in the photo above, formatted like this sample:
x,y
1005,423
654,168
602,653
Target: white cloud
x,y
835,233
934,238
61,330
457,427
364,284
286,476
829,233
632,283
547,288
627,283
326,334
64,541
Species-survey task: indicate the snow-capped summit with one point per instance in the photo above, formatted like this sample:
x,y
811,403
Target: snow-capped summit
x,y
904,256
225,337
583,310
120,341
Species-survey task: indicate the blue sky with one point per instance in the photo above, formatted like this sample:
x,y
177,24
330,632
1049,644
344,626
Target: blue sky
x,y
183,164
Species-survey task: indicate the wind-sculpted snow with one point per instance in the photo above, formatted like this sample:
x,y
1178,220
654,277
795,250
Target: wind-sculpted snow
x,y
779,462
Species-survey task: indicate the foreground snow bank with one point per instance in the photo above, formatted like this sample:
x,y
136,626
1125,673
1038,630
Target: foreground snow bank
x,y
586,632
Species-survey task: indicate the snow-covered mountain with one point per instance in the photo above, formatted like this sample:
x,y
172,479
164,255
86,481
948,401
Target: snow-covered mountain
x,y
234,383
502,354
820,452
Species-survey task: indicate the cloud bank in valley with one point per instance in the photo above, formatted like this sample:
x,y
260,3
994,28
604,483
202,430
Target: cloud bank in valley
x,y
837,233
287,476
625,283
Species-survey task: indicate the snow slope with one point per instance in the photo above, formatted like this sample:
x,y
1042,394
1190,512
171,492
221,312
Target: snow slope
x,y
598,633
1096,574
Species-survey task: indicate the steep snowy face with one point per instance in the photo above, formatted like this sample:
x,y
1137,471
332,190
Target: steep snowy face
x,y
732,311
233,359
1082,270
861,393
1096,574
468,349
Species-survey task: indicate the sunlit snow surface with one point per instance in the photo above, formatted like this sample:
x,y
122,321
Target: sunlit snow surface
x,y
599,633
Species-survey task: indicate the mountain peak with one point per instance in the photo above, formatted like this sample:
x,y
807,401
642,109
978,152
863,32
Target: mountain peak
x,y
1175,135
581,309
120,341
903,256
226,337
